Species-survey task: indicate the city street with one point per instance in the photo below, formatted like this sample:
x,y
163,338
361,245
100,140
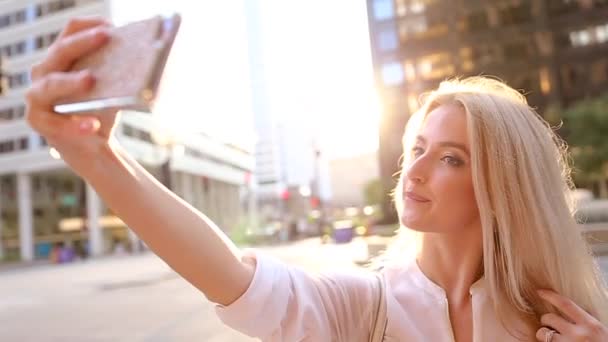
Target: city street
x,y
136,298
132,298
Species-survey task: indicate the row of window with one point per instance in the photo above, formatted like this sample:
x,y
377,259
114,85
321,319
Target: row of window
x,y
137,133
573,77
8,146
191,152
391,37
54,6
16,145
589,36
12,18
507,12
387,9
19,80
12,113
440,65
19,48
140,134
20,16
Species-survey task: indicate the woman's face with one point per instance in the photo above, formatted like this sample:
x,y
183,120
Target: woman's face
x,y
437,189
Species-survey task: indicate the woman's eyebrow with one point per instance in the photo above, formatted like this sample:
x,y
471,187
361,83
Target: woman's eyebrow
x,y
454,144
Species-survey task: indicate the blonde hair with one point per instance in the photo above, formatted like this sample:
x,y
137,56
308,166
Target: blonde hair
x,y
521,179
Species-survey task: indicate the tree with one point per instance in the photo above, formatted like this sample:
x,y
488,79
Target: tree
x,y
373,192
586,131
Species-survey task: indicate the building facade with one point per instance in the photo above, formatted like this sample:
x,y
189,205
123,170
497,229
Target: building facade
x,y
291,175
555,51
42,202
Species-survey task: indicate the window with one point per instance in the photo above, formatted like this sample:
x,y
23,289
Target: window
x,y
545,82
4,21
137,133
580,38
401,7
7,146
20,16
435,66
387,39
515,14
516,50
19,112
484,54
6,114
18,80
558,7
13,49
46,40
475,21
54,6
599,71
63,4
383,9
392,74
573,76
23,143
127,130
601,33
411,27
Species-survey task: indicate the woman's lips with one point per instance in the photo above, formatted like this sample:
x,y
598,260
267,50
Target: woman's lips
x,y
415,197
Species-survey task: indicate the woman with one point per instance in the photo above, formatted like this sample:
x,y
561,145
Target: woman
x,y
483,186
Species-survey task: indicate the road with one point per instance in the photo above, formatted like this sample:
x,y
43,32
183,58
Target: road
x,y
134,298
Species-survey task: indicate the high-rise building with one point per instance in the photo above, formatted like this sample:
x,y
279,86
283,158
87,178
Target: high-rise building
x,y
290,171
42,202
556,51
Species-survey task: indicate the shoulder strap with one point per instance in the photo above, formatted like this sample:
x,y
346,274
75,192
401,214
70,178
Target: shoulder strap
x,y
379,315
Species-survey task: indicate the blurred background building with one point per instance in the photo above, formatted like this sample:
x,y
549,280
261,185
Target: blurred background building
x,y
554,50
291,173
43,203
351,177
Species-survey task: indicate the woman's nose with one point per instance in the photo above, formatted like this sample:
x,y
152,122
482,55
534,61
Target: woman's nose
x,y
416,172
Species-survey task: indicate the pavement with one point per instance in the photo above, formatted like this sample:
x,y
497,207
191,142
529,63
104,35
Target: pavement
x,y
134,298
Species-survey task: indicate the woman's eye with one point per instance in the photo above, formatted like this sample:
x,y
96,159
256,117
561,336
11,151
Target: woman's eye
x,y
452,160
417,151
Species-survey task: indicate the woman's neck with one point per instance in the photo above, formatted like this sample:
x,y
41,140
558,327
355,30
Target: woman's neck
x,y
452,260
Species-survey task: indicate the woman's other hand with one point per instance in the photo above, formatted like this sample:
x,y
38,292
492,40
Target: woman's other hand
x,y
575,324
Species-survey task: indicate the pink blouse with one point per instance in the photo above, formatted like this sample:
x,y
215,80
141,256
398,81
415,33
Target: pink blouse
x,y
285,303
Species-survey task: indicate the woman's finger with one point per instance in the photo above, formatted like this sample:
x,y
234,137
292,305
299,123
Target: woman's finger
x,y
566,306
74,25
64,52
49,90
542,334
82,23
556,322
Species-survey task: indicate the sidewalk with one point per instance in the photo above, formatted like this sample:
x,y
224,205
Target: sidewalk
x,y
19,265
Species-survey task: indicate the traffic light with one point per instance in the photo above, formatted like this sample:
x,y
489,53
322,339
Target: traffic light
x,y
314,202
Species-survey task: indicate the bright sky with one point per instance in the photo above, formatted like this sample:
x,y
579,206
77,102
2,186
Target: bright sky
x,y
319,67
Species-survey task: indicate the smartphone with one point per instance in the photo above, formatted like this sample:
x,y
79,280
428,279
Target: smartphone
x,y
128,69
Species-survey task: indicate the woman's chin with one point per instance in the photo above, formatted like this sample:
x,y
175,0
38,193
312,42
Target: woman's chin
x,y
414,223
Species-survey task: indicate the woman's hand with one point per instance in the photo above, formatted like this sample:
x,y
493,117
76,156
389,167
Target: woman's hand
x,y
77,138
576,325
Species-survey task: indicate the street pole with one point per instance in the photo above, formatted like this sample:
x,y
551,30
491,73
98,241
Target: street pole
x,y
166,169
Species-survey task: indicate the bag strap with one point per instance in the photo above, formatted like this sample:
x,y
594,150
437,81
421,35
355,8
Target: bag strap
x,y
379,315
